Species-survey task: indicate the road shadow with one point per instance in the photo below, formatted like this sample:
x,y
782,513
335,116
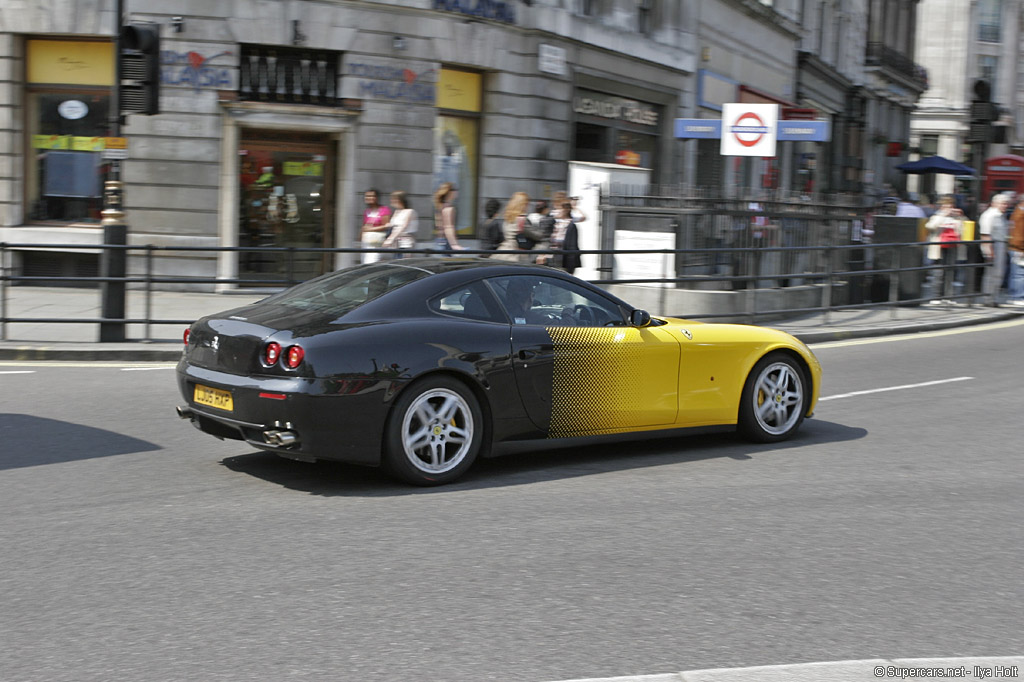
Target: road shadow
x,y
533,466
28,441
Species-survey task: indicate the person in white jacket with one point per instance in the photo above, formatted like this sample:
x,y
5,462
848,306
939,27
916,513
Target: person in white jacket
x,y
945,227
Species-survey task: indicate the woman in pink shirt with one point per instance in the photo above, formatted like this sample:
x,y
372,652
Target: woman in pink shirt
x,y
375,224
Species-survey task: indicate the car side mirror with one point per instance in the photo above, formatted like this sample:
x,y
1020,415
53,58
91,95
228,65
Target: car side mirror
x,y
639,318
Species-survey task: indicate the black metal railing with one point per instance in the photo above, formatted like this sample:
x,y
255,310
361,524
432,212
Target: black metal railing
x,y
880,54
836,268
288,75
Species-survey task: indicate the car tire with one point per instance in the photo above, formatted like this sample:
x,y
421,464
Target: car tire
x,y
434,432
774,399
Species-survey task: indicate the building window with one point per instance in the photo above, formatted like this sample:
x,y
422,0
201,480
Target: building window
x,y
612,129
989,20
929,145
68,124
644,15
457,141
988,69
589,8
288,75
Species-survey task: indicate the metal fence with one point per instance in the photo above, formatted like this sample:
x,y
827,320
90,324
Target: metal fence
x,y
898,274
734,236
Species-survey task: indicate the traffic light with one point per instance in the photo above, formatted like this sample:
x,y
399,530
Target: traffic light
x,y
140,69
983,112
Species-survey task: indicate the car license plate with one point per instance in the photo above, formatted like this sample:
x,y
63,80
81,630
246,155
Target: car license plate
x,y
214,397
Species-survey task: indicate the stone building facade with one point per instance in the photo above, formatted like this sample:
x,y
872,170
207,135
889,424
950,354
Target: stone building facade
x,y
961,43
275,116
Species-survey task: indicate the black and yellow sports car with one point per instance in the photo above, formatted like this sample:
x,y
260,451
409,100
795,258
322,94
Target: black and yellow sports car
x,y
424,364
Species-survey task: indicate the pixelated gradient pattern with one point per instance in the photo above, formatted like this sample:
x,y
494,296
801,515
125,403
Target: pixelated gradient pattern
x,y
600,382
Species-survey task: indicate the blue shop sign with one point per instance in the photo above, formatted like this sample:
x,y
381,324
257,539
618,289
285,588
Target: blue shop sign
x,y
804,131
788,131
495,10
699,128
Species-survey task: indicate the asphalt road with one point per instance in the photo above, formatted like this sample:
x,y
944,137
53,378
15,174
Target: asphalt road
x,y
133,547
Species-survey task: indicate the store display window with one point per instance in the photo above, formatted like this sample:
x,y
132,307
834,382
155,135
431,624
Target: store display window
x,y
67,114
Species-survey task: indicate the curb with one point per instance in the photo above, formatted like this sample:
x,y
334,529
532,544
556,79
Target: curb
x,y
988,667
810,337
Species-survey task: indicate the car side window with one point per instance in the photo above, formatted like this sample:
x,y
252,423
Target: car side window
x,y
553,302
473,302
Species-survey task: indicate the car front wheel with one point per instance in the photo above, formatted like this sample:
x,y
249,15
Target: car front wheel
x,y
434,432
774,399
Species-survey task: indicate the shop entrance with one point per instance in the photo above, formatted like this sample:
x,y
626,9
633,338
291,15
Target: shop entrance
x,y
287,200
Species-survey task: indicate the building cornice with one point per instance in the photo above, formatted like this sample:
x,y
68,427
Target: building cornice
x,y
766,15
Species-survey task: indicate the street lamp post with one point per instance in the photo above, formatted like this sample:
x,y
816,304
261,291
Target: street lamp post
x,y
113,259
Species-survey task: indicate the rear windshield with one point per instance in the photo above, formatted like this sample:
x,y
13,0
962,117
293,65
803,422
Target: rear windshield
x,y
340,292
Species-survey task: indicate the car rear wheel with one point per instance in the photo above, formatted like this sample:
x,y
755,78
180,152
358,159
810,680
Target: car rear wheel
x,y
434,432
774,399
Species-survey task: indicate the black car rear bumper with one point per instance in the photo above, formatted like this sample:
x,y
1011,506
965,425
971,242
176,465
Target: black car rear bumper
x,y
306,419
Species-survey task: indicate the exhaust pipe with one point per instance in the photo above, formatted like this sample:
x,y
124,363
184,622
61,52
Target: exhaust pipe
x,y
282,439
185,412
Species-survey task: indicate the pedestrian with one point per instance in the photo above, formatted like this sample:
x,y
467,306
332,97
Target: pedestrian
x,y
490,234
404,224
945,228
518,232
577,213
908,209
445,237
1015,247
992,226
543,223
565,240
375,220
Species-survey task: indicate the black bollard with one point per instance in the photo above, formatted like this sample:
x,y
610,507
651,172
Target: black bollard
x,y
113,264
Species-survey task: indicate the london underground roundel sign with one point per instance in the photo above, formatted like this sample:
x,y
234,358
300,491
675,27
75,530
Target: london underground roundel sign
x,y
749,129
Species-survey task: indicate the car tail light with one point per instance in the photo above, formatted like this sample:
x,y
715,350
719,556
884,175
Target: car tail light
x,y
293,357
271,354
188,333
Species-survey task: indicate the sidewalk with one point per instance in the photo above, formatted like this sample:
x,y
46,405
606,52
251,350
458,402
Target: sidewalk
x,y
64,341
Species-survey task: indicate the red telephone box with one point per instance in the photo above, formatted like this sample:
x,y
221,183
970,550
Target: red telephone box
x,y
1003,174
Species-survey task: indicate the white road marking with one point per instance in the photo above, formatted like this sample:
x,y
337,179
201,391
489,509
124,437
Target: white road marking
x,y
144,369
918,335
844,671
88,365
19,371
894,388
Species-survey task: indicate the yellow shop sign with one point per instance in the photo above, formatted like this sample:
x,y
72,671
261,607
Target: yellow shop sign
x,y
51,141
70,62
306,168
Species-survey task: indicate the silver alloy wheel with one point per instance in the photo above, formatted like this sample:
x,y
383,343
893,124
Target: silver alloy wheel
x,y
778,397
437,431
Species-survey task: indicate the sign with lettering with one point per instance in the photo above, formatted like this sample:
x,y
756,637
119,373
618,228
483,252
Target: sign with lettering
x,y
749,129
192,69
70,62
460,90
552,59
804,131
87,144
51,142
495,10
615,108
383,81
788,131
304,168
698,128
